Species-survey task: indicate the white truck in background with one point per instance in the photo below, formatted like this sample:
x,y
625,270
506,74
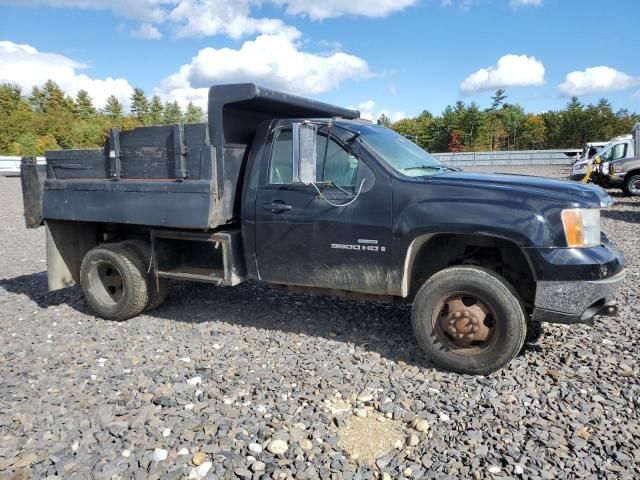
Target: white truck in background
x,y
597,169
581,166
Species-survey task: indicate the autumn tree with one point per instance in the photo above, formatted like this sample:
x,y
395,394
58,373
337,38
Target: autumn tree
x,y
46,118
455,145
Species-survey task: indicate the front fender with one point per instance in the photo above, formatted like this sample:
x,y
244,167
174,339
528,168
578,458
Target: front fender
x,y
519,222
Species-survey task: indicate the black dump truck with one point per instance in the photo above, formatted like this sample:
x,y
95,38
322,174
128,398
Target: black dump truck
x,y
297,193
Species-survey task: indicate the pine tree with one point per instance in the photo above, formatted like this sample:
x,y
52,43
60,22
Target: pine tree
x,y
113,108
498,99
54,98
384,120
84,104
156,111
37,99
10,97
194,114
139,105
172,113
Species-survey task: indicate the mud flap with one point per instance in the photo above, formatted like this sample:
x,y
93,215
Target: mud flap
x,y
32,177
67,244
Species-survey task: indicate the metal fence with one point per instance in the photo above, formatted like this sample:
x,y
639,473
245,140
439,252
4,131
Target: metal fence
x,y
10,166
509,158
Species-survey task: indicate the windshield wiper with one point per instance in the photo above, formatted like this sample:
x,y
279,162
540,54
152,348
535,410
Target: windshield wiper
x,y
423,167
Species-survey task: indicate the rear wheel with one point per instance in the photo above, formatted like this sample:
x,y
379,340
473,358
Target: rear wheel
x,y
114,282
469,320
632,185
158,287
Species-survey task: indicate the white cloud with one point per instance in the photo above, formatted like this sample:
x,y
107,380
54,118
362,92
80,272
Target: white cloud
x,y
525,3
510,71
193,18
320,10
143,10
596,79
467,4
368,111
27,67
148,31
274,61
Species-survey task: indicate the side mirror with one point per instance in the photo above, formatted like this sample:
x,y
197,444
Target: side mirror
x,y
305,137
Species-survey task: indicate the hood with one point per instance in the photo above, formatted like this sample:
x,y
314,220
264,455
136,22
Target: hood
x,y
577,194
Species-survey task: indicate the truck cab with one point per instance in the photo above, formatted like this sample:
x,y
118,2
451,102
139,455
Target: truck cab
x,y
620,164
306,196
618,148
582,166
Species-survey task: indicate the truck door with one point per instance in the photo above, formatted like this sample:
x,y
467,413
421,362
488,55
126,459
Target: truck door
x,y
301,239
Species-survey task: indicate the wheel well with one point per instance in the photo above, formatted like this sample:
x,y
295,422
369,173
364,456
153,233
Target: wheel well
x,y
498,255
631,173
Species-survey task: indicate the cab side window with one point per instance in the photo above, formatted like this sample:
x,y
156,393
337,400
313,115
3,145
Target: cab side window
x,y
619,151
339,168
281,165
608,155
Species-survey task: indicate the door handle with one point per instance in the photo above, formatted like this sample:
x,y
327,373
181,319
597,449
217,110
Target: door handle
x,y
277,207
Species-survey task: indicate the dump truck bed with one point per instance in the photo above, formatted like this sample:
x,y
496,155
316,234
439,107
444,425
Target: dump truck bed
x,y
180,176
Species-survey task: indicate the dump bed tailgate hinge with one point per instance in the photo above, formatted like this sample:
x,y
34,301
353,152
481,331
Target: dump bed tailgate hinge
x,y
115,156
179,152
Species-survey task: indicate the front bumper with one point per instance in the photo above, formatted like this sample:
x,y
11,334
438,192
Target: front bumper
x,y
574,284
574,301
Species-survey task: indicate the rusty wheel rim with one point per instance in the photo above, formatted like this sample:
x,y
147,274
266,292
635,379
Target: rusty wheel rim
x,y
465,324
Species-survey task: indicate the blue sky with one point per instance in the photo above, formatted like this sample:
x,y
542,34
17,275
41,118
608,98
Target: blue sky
x,y
397,56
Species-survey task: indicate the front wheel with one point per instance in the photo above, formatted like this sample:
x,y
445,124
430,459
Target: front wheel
x,y
632,185
469,319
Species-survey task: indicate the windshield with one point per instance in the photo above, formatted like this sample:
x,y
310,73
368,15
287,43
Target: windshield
x,y
400,153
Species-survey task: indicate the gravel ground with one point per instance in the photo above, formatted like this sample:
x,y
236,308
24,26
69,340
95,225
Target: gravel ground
x,y
249,382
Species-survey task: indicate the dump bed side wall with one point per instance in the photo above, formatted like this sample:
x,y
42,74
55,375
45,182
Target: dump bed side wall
x,y
166,176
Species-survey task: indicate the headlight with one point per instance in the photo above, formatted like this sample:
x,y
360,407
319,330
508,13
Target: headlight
x,y
581,227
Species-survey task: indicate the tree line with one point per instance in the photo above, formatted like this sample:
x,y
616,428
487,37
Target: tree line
x,y
506,126
47,119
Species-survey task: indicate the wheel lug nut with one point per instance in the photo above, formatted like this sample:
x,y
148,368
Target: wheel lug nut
x,y
452,330
475,329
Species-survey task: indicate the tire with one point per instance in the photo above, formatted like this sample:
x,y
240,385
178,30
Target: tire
x,y
158,288
468,319
114,281
632,185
